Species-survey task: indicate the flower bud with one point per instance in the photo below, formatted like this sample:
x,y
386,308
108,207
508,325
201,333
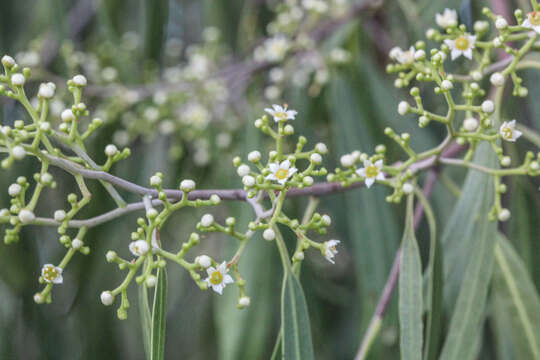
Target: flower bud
x,y
17,79
207,220
269,234
187,185
203,261
403,108
111,150
79,80
107,298
497,79
470,124
254,156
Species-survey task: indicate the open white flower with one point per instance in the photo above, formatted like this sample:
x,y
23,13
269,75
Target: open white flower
x,y
447,19
405,57
52,274
218,277
371,172
329,250
462,45
281,172
508,131
280,113
532,21
139,247
276,48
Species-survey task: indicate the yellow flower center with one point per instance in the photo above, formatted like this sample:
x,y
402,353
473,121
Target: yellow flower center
x,y
216,278
282,174
50,273
371,171
462,43
507,132
534,18
280,115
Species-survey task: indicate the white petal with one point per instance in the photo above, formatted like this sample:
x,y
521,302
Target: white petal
x,y
450,43
379,164
369,182
292,171
273,167
271,177
278,108
536,28
58,280
468,53
286,164
380,176
282,181
527,24
472,40
270,111
517,134
361,172
455,53
367,163
227,279
210,270
218,288
512,124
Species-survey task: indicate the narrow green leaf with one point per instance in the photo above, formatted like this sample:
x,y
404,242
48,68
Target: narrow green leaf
x,y
159,312
464,335
146,320
156,15
410,292
519,301
296,344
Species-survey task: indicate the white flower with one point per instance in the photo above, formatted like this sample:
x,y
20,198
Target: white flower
x,y
470,124
254,156
17,79
497,79
207,220
462,45
67,115
203,261
59,215
52,274
281,172
447,19
187,185
107,298
280,113
111,150
18,152
532,21
508,131
14,189
139,247
26,216
79,80
371,172
329,250
46,91
405,57
269,234
218,277
488,106
276,48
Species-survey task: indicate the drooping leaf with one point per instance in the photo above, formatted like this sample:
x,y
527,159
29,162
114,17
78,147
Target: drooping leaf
x,y
159,313
296,343
410,292
146,320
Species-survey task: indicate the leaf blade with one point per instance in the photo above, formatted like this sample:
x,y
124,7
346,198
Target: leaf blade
x,y
159,316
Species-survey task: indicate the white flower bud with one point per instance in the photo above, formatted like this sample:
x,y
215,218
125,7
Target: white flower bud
x,y
535,166
215,199
326,220
321,148
258,123
111,150
60,215
244,301
254,156
76,244
46,91
403,108
497,79
107,298
315,158
38,299
151,213
446,85
407,188
207,220
17,79
501,23
151,281
299,256
45,126
497,42
480,26
488,106
308,180
476,75
347,160
269,234
420,55
470,124
18,152
26,216
14,189
504,215
248,181
288,130
187,185
8,61
46,178
155,180
243,170
506,161
67,115
203,261
110,256
79,80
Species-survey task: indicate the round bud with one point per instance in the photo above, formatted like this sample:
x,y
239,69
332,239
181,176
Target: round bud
x,y
243,170
420,55
152,213
504,215
299,256
111,150
207,220
110,256
288,130
470,124
254,156
14,189
38,299
26,216
244,301
315,158
79,80
501,23
269,234
187,185
407,188
18,152
107,298
46,91
488,106
258,123
60,215
446,85
476,75
8,61
506,161
76,244
307,180
248,181
347,160
203,261
17,79
321,148
46,178
403,108
326,220
215,199
67,115
497,79
151,281
155,180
